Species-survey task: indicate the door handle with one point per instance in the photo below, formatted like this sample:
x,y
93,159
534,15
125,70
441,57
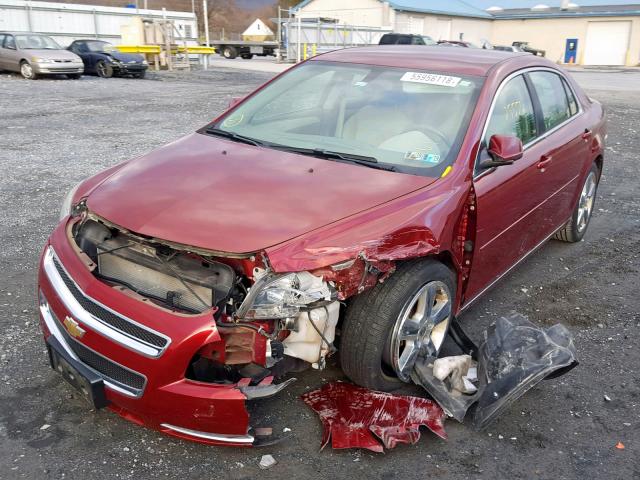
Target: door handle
x,y
544,162
587,134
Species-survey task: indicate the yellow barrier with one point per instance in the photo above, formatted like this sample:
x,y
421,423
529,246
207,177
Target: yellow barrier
x,y
139,48
196,49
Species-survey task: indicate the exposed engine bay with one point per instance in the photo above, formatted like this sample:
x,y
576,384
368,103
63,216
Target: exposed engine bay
x,y
270,324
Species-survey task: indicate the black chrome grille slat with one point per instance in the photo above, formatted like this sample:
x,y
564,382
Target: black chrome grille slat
x,y
107,368
108,317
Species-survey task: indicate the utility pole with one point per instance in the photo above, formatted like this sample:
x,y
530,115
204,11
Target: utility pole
x,y
205,12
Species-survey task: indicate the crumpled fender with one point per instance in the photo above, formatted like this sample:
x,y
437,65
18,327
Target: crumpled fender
x,y
415,225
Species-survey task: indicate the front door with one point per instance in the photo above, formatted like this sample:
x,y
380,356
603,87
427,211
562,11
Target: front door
x,y
508,197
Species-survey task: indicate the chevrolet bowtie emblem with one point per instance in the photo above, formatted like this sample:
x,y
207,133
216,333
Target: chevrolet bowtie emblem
x,y
74,328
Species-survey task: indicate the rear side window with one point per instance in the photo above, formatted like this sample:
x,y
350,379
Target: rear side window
x,y
2,40
513,112
573,104
553,98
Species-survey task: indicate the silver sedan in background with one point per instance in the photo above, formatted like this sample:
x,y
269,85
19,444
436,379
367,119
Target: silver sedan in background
x,y
33,54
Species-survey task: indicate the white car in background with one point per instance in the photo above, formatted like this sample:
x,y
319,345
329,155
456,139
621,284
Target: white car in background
x,y
33,55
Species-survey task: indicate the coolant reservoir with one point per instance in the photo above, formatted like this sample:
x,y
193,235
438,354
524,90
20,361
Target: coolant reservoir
x,y
306,343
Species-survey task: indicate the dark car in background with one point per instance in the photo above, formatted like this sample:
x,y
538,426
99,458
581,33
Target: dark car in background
x,y
406,39
525,47
103,59
508,48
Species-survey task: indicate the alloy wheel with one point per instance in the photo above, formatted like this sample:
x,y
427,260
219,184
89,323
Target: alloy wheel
x,y
421,328
585,204
26,70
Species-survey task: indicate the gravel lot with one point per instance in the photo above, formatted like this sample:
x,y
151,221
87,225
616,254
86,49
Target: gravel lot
x,y
54,133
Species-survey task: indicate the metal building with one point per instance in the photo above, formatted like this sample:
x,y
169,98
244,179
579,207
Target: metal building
x,y
67,22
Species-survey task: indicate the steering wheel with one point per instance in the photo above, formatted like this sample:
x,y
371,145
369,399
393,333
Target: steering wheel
x,y
437,136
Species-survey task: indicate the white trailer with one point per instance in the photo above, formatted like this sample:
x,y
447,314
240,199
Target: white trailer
x,y
67,22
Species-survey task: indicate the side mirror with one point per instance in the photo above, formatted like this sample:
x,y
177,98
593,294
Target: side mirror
x,y
235,101
502,150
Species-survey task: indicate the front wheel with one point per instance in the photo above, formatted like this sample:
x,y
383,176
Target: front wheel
x,y
26,70
387,327
103,69
574,230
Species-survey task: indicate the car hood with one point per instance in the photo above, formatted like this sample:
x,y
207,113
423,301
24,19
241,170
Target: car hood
x,y
224,196
53,54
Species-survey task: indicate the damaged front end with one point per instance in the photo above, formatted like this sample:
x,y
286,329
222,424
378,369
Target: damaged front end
x,y
236,326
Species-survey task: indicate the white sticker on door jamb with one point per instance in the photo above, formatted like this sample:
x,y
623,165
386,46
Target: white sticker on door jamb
x,y
431,79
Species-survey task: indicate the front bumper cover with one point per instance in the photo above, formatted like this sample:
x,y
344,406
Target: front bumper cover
x,y
168,402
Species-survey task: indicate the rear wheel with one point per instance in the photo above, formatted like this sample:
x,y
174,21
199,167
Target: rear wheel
x,y
574,230
26,70
103,69
229,52
389,326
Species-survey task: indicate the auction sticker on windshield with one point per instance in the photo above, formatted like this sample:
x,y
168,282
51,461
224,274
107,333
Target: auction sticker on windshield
x,y
431,79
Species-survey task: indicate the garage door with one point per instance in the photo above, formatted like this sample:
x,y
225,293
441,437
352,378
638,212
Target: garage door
x,y
607,43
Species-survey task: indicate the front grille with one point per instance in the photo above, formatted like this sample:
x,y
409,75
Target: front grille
x,y
110,371
108,317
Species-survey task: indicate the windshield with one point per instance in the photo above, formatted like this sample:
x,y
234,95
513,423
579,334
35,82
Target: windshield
x,y
410,119
36,42
100,47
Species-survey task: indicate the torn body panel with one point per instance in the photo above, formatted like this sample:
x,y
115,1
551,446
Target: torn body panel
x,y
354,417
359,251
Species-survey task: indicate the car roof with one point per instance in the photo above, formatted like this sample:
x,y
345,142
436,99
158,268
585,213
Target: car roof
x,y
464,61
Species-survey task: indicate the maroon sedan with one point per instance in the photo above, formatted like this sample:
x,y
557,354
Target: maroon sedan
x,y
378,189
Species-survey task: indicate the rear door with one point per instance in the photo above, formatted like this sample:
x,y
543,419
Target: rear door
x,y
9,54
2,52
565,141
508,197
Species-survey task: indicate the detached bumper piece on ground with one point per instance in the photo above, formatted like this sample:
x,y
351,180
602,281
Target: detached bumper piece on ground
x,y
355,417
514,356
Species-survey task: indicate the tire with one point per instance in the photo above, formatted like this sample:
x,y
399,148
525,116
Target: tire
x,y
229,52
247,56
372,319
573,231
103,69
26,70
74,76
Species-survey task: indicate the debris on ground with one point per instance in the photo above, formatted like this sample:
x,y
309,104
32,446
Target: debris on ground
x,y
461,371
620,446
355,417
266,462
515,356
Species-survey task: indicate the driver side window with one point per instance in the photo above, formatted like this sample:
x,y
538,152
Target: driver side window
x,y
513,112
